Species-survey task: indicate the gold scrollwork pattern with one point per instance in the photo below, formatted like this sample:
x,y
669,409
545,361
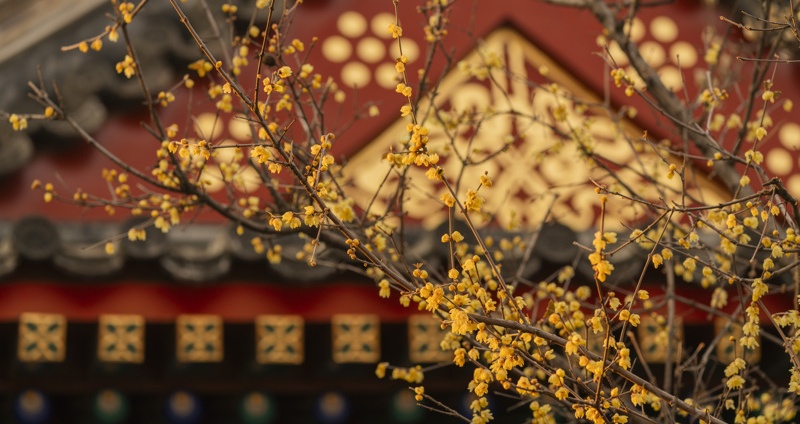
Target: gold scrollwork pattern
x,y
654,339
199,338
366,50
356,338
425,337
279,339
120,338
542,159
42,337
728,347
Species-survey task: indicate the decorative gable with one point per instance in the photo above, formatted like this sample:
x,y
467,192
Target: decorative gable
x,y
520,146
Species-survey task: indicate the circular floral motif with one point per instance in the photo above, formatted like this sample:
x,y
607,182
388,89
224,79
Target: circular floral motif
x,y
663,51
675,59
227,163
367,50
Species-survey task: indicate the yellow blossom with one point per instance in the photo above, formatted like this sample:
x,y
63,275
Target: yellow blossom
x,y
126,8
460,357
468,265
719,298
395,30
18,123
165,98
735,382
448,200
276,223
127,66
380,370
619,419
113,35
461,324
473,202
734,367
403,89
285,72
202,67
602,267
624,360
419,393
712,54
629,91
761,132
690,264
744,181
759,289
619,76
657,260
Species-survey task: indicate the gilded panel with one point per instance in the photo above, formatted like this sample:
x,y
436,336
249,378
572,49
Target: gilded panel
x,y
356,338
42,337
120,338
279,339
199,338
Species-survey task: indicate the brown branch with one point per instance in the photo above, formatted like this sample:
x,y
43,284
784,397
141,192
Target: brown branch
x,y
668,102
622,372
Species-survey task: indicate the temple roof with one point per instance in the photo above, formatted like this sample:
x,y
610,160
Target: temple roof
x,y
69,277
205,253
106,104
